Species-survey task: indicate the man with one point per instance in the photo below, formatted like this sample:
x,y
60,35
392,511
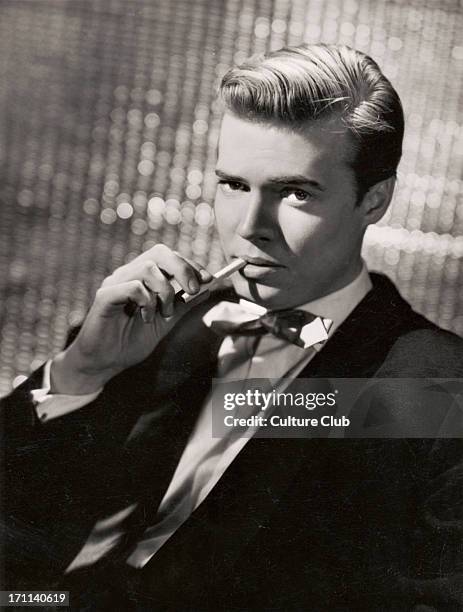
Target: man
x,y
116,489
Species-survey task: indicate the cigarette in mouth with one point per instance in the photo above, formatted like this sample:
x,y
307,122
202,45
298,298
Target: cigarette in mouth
x,y
232,267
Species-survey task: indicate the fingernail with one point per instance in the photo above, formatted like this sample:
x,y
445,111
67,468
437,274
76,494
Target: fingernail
x,y
193,286
205,275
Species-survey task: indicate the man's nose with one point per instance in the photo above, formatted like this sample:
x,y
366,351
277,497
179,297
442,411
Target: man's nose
x,y
257,222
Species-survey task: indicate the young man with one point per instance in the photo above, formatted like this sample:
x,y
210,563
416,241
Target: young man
x,y
116,489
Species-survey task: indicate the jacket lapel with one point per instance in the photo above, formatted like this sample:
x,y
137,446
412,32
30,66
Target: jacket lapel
x,y
178,378
360,345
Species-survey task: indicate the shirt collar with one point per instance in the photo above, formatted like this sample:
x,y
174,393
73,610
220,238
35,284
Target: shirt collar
x,y
336,306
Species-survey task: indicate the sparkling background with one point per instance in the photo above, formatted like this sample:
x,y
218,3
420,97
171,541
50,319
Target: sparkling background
x,y
107,144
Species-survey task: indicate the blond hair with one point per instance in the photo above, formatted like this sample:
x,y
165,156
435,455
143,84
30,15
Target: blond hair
x,y
297,85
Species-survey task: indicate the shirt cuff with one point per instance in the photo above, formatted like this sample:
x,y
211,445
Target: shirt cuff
x,y
50,406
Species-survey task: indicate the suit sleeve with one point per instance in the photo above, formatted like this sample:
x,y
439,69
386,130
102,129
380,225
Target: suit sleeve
x,y
422,571
436,579
19,415
425,415
51,405
55,474
105,419
62,476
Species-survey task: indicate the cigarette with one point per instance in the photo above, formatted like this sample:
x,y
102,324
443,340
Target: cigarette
x,y
232,267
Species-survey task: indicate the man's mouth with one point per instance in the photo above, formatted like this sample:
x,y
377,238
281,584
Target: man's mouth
x,y
261,261
258,267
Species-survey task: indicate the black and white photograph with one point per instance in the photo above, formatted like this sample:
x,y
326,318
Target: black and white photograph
x,y
231,305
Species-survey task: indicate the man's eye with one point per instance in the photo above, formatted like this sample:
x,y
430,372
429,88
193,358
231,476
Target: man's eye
x,y
231,186
296,195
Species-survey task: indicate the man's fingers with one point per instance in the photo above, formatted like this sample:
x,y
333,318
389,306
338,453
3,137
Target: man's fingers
x,y
131,295
156,282
176,267
107,298
204,275
148,312
187,274
161,272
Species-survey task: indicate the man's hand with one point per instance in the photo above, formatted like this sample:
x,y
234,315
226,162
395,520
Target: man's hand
x,y
113,338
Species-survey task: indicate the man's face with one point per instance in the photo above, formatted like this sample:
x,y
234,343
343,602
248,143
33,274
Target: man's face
x,y
286,202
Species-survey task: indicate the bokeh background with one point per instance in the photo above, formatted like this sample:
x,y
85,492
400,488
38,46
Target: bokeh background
x,y
108,130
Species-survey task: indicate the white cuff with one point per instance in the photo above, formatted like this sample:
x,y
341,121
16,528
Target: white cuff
x,y
49,406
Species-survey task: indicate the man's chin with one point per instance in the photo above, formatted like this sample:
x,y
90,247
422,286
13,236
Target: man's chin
x,y
264,295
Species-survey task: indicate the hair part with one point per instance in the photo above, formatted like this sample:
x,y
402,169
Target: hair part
x,y
312,82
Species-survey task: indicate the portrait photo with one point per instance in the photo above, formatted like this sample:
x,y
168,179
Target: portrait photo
x,y
231,305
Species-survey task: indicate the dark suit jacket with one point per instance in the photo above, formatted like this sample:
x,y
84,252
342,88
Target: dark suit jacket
x,y
294,524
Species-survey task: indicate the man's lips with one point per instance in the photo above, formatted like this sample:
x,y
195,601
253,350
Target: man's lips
x,y
260,261
259,267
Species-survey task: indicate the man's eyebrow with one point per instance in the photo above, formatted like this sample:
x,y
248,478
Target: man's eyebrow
x,y
297,179
229,177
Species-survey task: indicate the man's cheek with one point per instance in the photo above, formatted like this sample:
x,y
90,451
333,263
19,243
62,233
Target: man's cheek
x,y
225,223
304,248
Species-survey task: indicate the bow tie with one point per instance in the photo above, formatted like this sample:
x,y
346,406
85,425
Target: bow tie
x,y
248,319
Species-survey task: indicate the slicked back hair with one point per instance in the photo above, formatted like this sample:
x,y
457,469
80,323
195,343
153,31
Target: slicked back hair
x,y
298,85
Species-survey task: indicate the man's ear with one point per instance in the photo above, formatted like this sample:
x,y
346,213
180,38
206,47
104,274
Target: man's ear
x,y
377,199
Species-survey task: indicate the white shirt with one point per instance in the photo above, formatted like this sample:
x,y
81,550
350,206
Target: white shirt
x,y
205,458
